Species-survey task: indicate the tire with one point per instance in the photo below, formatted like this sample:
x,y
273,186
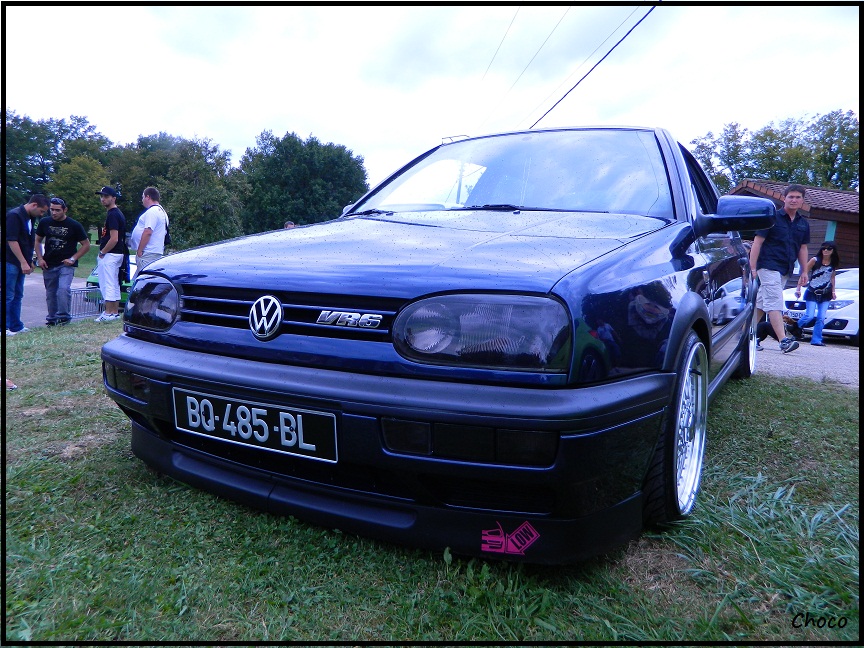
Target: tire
x,y
747,364
676,468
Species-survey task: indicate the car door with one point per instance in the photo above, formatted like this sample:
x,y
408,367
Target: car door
x,y
725,261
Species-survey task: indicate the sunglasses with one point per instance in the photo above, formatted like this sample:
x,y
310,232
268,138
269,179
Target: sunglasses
x,y
827,248
58,201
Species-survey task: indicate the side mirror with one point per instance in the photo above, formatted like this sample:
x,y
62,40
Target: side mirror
x,y
346,208
736,213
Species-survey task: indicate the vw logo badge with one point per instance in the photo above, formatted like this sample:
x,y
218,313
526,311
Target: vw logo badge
x,y
265,318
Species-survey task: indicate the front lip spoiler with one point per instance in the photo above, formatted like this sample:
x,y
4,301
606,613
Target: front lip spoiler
x,y
402,523
572,410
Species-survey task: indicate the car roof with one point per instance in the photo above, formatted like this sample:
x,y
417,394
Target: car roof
x,y
464,138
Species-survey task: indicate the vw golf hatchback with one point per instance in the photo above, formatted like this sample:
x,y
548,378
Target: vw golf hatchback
x,y
507,348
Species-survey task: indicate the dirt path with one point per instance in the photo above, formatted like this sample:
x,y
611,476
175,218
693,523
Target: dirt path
x,y
836,362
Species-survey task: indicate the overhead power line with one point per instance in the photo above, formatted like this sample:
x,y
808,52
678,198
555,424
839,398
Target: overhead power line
x,y
587,58
527,66
500,44
538,51
594,67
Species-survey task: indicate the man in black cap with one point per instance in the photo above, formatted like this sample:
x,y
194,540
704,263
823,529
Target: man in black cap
x,y
112,254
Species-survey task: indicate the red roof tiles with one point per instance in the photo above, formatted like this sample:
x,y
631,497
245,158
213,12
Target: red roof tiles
x,y
815,197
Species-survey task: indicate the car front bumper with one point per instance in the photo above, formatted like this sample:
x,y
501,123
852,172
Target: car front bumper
x,y
585,501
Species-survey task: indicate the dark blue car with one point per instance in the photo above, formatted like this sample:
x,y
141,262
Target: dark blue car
x,y
507,348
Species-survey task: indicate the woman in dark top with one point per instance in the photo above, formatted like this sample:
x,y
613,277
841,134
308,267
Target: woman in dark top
x,y
820,289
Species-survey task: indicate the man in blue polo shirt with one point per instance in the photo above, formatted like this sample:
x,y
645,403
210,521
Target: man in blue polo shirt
x,y
773,256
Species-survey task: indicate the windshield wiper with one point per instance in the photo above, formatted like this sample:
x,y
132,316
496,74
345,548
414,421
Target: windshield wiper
x,y
508,207
495,207
369,212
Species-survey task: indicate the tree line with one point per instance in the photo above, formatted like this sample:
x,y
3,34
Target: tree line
x,y
819,152
306,181
208,200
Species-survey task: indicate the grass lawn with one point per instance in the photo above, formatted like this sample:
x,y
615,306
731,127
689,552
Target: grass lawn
x,y
101,548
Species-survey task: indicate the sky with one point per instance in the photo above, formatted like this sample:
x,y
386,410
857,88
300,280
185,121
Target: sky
x,y
389,83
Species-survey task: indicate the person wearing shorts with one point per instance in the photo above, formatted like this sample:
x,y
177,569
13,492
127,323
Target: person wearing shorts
x,y
772,259
112,253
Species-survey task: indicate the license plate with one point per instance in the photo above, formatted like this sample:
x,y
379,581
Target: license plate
x,y
795,315
276,428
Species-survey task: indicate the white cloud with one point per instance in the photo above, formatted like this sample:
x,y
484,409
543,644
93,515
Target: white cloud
x,y
389,82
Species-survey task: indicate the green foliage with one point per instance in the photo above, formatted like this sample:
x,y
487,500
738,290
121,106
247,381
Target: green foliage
x,y
30,151
835,141
200,196
75,182
305,182
822,152
193,178
35,149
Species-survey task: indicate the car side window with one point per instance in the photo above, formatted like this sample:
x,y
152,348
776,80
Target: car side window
x,y
700,199
706,196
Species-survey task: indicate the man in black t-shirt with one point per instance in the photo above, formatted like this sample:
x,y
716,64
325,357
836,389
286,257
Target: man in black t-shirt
x,y
61,237
19,256
773,256
112,254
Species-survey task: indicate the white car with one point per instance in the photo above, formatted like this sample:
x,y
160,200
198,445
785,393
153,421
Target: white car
x,y
728,301
841,320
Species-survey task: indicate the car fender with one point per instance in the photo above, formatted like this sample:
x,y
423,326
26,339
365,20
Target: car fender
x,y
691,314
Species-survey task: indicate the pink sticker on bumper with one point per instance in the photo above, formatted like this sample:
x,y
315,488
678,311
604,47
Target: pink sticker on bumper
x,y
496,541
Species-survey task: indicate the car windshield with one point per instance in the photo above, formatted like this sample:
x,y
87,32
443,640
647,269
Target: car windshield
x,y
847,280
605,170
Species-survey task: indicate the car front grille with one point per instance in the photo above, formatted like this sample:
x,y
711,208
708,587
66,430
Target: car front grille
x,y
301,312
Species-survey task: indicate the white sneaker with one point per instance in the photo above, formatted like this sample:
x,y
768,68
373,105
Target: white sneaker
x,y
10,333
108,318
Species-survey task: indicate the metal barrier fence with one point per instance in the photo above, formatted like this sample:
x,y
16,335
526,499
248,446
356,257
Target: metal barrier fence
x,y
86,302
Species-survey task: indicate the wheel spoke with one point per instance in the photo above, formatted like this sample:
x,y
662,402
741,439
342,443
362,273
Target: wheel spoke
x,y
690,435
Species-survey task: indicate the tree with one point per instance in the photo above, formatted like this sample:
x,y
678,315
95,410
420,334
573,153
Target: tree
x,y
146,163
779,152
305,182
822,152
76,183
30,151
834,138
193,177
36,149
199,196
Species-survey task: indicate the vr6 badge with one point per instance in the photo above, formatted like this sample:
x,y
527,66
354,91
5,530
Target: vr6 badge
x,y
343,318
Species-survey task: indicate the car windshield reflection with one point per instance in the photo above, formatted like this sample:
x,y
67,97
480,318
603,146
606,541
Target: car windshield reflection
x,y
605,171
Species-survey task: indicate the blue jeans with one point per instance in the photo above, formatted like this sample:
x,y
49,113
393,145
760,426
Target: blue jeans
x,y
815,312
13,281
58,293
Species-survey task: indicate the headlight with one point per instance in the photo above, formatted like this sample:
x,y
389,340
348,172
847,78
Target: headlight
x,y
153,304
834,305
510,332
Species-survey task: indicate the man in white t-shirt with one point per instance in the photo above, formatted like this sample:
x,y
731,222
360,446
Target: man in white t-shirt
x,y
148,237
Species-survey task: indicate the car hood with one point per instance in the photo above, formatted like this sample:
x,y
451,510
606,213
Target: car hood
x,y
405,254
